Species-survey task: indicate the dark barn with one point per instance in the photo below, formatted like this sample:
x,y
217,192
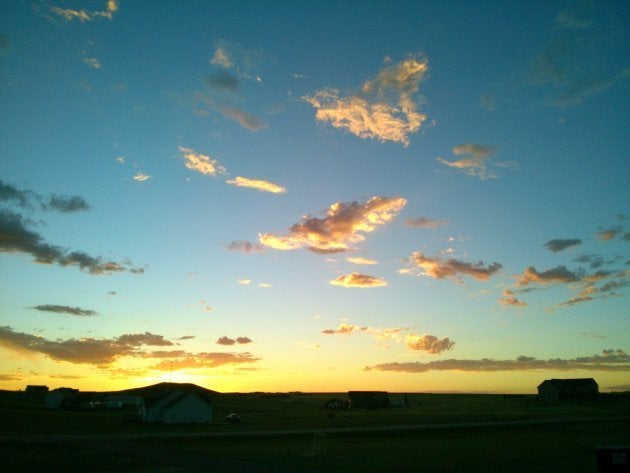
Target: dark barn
x,y
368,399
563,389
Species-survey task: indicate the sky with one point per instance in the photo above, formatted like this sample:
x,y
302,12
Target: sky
x,y
314,195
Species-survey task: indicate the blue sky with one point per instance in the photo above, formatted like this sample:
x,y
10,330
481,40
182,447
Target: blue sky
x,y
319,196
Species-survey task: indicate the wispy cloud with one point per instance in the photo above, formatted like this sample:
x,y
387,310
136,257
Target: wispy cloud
x,y
358,280
344,329
200,162
475,161
344,224
570,69
384,109
510,299
111,7
361,260
92,62
424,222
429,343
141,177
245,246
610,360
438,268
561,244
257,184
612,233
64,309
204,360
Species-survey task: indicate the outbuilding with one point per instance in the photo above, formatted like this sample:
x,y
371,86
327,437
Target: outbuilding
x,y
563,389
178,407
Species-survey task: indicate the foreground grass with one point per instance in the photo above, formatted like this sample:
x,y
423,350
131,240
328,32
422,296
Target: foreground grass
x,y
557,448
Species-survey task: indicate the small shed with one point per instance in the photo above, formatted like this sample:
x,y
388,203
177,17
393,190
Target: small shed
x,y
563,389
178,407
369,399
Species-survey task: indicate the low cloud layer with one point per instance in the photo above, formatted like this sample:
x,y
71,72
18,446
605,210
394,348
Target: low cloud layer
x,y
345,223
358,280
609,360
385,108
103,352
438,268
64,309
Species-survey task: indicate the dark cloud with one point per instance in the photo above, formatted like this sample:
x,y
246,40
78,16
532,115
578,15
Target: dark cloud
x,y
559,274
245,246
223,81
186,337
28,199
429,343
84,350
243,340
146,338
64,309
609,360
423,222
67,204
559,244
15,237
451,269
225,341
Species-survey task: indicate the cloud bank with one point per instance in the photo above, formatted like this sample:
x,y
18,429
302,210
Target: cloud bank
x,y
610,360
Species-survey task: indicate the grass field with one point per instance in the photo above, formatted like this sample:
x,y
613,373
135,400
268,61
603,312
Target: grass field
x,y
567,446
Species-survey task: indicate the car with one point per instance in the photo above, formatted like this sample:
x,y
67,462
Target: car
x,y
233,418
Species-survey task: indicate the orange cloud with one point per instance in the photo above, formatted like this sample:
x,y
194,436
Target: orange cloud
x,y
200,162
510,299
358,280
450,269
344,329
257,184
361,260
474,162
428,343
559,274
343,225
384,109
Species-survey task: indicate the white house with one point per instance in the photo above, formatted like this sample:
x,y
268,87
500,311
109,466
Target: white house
x,y
178,407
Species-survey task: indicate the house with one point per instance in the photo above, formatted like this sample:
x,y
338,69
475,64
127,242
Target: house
x,y
34,389
562,389
177,407
368,399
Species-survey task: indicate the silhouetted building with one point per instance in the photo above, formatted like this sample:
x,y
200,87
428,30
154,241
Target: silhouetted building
x,y
563,389
34,389
177,407
61,398
368,399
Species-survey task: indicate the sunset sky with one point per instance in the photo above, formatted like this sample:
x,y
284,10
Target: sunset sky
x,y
314,195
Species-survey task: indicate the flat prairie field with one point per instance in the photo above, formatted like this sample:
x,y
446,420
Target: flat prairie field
x,y
294,433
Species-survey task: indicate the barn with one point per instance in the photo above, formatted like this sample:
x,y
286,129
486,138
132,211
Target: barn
x,y
563,389
177,407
